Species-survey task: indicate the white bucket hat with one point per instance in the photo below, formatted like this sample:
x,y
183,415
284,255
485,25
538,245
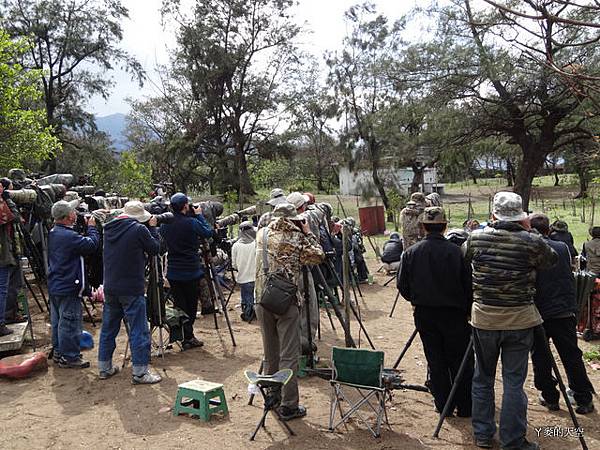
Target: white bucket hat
x,y
508,206
135,210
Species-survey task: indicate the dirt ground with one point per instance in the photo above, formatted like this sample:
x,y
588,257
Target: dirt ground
x,y
73,409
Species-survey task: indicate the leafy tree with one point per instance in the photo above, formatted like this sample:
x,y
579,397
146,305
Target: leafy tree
x,y
75,42
235,55
24,135
357,75
131,178
501,63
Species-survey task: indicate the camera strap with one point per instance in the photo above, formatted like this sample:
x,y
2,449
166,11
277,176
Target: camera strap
x,y
264,252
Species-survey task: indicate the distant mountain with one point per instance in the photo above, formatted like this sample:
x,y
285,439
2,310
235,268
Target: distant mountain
x,y
114,127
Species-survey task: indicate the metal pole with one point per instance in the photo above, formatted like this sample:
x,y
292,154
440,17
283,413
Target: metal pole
x,y
395,303
405,349
311,356
346,274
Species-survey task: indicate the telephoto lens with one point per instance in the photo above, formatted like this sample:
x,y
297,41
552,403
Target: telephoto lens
x,y
166,217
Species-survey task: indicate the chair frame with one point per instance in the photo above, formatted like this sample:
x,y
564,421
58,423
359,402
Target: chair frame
x,y
367,393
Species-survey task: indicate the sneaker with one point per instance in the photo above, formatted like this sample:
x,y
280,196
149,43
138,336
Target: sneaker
x,y
550,406
286,413
484,442
74,364
106,374
147,378
585,409
4,330
192,343
526,445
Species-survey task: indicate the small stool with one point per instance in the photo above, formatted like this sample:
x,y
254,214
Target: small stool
x,y
203,399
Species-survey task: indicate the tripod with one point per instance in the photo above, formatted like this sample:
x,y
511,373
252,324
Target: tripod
x,y
214,287
155,298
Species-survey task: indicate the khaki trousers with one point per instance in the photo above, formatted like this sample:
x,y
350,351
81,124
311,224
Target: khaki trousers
x,y
281,344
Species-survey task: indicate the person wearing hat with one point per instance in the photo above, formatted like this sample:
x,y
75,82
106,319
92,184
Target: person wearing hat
x,y
290,245
9,216
276,197
300,202
435,279
409,219
504,257
392,252
127,241
243,260
559,231
555,298
184,267
67,282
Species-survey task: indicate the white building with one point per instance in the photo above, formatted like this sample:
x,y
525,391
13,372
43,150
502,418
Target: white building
x,y
360,181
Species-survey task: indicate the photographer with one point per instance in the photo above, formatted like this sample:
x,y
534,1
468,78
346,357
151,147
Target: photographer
x,y
290,245
392,252
66,282
8,217
243,259
184,269
126,241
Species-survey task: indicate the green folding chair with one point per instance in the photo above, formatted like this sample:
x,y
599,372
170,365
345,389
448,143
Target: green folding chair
x,y
360,370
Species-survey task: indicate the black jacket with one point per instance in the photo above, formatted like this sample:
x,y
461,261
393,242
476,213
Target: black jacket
x,y
555,287
433,273
392,251
567,238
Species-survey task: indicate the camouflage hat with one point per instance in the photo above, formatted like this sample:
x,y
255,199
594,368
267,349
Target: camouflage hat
x,y
277,197
508,207
433,214
559,225
411,204
418,197
297,199
287,211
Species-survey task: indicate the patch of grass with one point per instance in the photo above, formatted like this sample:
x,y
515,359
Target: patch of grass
x,y
592,355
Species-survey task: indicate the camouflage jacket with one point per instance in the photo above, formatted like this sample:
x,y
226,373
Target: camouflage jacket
x,y
288,250
264,220
411,232
504,257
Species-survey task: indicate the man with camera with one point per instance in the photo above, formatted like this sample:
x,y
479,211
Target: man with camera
x,y
505,257
127,240
282,248
66,282
184,269
9,216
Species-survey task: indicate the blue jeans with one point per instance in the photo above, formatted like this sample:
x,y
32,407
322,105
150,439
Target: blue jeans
x,y
65,316
513,346
3,291
133,310
247,292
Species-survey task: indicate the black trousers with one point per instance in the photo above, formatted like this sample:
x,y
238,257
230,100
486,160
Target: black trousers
x,y
445,333
564,336
185,297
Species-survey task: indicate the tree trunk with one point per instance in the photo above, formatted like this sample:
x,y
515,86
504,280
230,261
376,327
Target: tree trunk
x,y
374,153
582,174
418,178
510,173
533,161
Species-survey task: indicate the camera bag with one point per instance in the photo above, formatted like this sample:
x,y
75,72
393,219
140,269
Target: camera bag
x,y
279,292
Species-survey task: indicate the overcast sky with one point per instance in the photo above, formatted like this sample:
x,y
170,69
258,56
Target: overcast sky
x,y
145,38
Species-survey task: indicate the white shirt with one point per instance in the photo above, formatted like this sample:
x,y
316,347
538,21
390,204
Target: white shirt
x,y
243,259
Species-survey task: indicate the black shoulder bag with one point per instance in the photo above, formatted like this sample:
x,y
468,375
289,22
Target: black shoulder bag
x,y
279,291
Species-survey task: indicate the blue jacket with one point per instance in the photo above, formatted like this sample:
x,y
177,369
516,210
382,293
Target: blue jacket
x,y
183,243
125,242
66,249
555,287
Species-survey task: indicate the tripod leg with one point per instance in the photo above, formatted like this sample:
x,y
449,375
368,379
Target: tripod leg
x,y
389,281
87,310
406,347
457,380
395,303
30,288
540,329
260,424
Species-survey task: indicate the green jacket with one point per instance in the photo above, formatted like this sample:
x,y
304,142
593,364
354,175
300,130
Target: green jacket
x,y
504,258
8,242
